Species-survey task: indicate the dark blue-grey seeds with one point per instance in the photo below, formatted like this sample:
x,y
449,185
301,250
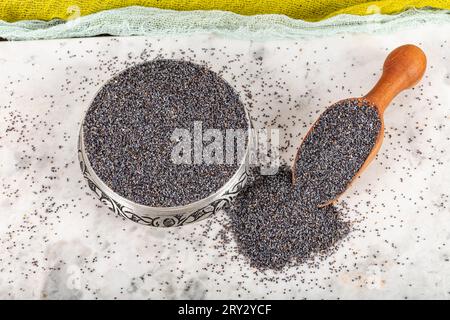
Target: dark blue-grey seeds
x,y
279,221
128,127
335,149
273,228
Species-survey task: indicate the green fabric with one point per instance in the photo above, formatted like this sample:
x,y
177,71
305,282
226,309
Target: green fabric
x,y
133,21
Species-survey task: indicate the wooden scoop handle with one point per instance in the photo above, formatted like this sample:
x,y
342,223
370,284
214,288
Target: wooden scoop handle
x,y
403,68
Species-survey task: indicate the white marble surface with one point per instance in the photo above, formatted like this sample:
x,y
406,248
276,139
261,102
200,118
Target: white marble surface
x,y
56,241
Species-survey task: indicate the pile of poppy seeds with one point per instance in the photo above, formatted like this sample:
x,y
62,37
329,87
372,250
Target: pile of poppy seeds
x,y
127,132
280,220
273,228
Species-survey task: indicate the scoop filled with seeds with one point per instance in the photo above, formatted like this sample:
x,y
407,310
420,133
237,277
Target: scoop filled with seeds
x,y
348,135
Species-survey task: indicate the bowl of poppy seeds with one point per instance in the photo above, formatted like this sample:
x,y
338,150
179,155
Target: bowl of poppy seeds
x,y
126,143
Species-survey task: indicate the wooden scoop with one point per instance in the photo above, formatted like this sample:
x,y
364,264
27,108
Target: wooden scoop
x,y
402,69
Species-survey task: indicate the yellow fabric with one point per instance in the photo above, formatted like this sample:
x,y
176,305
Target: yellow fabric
x,y
309,10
